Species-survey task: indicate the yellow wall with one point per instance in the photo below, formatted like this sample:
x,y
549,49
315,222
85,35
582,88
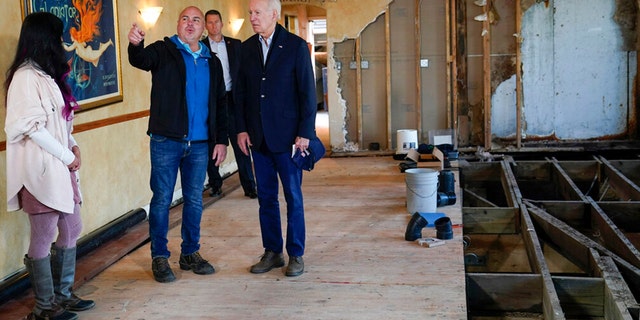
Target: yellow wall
x,y
115,172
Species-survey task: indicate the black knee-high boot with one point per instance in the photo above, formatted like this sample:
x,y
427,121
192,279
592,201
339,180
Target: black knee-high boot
x,y
42,285
63,269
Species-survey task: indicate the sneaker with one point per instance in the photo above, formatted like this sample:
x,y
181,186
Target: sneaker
x,y
57,313
161,270
295,267
196,263
75,303
268,261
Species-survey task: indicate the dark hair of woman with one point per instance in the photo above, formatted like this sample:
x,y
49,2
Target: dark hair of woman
x,y
41,42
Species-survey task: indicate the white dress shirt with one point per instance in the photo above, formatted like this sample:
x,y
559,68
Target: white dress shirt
x,y
220,49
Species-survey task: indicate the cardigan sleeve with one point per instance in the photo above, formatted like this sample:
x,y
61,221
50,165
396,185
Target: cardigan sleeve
x,y
46,141
25,113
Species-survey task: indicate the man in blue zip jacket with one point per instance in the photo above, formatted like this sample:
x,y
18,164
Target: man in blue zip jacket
x,y
187,112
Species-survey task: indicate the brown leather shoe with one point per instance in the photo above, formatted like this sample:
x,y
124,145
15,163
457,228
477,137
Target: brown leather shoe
x,y
268,261
295,267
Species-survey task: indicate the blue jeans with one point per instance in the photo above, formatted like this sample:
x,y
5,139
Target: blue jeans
x,y
269,166
167,157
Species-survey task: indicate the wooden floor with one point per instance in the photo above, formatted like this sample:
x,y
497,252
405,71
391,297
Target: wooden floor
x,y
357,263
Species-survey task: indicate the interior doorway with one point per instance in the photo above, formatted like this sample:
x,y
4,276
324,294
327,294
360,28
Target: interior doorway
x,y
310,23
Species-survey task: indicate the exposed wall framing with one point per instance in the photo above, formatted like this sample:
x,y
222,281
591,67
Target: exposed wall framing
x,y
500,73
387,63
486,72
519,101
417,34
358,60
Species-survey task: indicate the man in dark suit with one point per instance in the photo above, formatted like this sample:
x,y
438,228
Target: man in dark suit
x,y
276,113
228,51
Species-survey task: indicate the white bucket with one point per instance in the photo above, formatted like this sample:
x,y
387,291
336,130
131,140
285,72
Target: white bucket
x,y
422,189
407,139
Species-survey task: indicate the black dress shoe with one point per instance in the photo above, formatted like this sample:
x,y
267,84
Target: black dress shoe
x,y
215,193
295,267
268,261
251,194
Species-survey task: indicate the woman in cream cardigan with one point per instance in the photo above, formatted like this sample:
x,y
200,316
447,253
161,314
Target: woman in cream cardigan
x,y
42,164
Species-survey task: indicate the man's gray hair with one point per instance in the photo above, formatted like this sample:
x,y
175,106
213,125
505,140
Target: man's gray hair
x,y
276,5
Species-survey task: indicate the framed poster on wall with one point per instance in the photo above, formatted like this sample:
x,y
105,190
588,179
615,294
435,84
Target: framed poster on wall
x,y
90,38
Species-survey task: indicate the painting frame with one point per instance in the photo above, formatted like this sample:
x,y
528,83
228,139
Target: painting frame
x,y
95,74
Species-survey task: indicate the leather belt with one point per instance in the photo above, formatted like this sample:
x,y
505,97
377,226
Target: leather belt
x,y
188,142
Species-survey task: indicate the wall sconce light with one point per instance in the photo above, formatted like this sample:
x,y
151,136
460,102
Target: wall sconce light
x,y
150,15
236,24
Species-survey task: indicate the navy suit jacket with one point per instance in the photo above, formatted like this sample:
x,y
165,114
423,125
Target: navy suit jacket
x,y
277,100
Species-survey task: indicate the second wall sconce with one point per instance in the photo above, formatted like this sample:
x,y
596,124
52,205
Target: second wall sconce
x,y
235,25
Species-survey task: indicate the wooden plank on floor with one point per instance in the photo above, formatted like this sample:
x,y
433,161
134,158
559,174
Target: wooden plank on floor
x,y
619,302
490,220
611,236
551,306
581,297
577,246
505,292
623,186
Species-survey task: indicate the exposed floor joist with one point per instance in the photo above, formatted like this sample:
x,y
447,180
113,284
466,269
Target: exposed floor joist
x,y
577,257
